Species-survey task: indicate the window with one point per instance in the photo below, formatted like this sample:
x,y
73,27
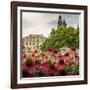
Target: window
x,y
26,43
37,40
33,43
30,43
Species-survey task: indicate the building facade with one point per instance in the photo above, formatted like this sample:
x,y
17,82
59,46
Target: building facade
x,y
33,42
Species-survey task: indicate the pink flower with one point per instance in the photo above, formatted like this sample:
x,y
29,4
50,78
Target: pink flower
x,y
73,50
77,57
54,72
67,62
66,57
60,67
23,58
56,55
50,52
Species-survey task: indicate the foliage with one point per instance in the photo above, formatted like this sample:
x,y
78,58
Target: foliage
x,y
62,37
73,69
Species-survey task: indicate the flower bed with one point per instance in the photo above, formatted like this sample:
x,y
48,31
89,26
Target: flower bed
x,y
50,63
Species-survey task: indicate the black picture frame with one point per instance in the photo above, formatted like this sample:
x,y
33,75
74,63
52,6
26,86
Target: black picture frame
x,y
14,5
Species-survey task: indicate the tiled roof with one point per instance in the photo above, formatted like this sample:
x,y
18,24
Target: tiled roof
x,y
36,35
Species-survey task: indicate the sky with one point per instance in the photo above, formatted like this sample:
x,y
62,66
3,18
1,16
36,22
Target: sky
x,y
42,23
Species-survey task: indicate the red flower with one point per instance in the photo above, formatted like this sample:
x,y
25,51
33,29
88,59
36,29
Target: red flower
x,y
30,75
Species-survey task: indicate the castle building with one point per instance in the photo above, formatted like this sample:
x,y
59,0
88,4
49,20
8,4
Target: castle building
x,y
33,42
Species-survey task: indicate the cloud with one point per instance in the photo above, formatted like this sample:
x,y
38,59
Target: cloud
x,y
42,23
38,23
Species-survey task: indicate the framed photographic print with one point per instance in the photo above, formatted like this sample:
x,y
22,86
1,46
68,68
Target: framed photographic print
x,y
48,44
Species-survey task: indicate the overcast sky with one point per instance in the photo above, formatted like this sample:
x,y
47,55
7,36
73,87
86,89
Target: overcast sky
x,y
42,23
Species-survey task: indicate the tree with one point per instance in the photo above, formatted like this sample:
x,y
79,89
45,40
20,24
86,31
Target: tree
x,y
62,37
59,21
